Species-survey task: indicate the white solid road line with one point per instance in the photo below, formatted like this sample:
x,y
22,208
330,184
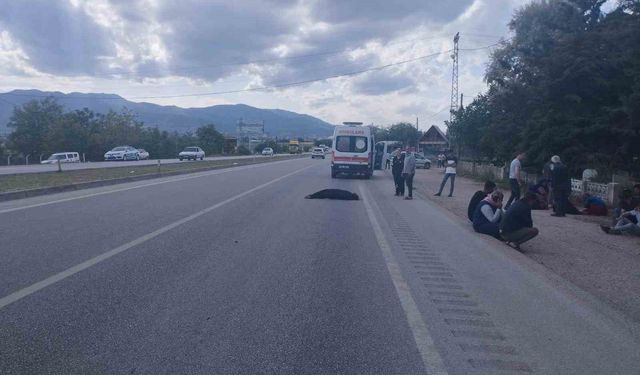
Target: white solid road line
x,y
20,294
189,177
428,351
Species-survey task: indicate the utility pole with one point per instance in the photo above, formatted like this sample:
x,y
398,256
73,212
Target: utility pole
x,y
454,77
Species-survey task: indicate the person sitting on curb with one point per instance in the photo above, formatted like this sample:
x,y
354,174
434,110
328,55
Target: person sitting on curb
x,y
626,223
489,187
625,203
486,218
516,227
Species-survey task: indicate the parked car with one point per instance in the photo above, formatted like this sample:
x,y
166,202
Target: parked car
x,y
191,153
63,157
422,162
267,151
122,153
317,152
143,154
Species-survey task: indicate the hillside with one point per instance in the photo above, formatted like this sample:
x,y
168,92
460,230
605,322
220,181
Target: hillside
x,y
278,122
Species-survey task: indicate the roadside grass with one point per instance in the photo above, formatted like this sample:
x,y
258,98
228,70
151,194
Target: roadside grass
x,y
28,181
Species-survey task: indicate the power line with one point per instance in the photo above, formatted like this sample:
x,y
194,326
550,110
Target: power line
x,y
272,87
437,113
262,61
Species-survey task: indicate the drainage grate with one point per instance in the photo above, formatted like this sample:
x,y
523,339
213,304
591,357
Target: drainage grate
x,y
471,327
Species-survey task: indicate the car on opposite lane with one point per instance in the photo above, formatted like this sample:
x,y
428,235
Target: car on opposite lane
x,y
317,153
144,154
62,157
192,153
122,153
268,151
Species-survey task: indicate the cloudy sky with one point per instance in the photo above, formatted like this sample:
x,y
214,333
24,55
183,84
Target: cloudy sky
x,y
194,53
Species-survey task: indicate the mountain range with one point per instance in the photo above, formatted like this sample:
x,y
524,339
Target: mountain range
x,y
278,122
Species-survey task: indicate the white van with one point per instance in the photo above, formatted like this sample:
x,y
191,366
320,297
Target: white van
x,y
352,150
383,153
64,157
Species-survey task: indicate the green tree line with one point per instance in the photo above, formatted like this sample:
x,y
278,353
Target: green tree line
x,y
567,83
43,127
403,132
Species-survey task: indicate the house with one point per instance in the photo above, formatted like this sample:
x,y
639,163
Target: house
x,y
434,140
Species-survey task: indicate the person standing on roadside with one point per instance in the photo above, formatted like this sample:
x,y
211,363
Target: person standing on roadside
x,y
514,178
409,170
546,173
397,165
450,164
560,185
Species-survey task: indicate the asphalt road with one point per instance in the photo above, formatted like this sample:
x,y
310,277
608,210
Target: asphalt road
x,y
37,168
234,272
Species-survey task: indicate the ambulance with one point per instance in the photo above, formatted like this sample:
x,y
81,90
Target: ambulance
x,y
352,150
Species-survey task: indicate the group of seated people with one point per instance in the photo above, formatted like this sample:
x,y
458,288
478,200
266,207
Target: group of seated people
x,y
626,217
513,226
592,205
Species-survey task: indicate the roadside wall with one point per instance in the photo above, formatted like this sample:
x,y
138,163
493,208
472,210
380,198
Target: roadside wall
x,y
608,192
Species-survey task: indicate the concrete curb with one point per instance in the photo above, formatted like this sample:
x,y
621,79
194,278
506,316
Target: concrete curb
x,y
21,194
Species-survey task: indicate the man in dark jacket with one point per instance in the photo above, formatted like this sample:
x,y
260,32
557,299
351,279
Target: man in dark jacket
x,y
397,165
560,185
489,187
517,226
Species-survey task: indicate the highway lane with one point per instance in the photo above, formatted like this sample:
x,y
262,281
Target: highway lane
x,y
232,271
256,286
39,168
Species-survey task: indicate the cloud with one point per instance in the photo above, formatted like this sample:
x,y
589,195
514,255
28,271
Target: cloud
x,y
379,11
381,82
56,36
153,47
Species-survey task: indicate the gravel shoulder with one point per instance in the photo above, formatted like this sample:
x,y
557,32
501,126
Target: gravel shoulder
x,y
573,247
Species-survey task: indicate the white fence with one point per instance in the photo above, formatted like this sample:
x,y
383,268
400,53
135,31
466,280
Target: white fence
x,y
484,170
608,192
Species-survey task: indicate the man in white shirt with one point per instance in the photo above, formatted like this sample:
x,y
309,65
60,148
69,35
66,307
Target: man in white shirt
x,y
450,165
514,179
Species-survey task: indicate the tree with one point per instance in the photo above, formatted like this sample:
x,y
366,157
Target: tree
x,y
380,134
242,150
31,123
567,83
210,140
405,133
